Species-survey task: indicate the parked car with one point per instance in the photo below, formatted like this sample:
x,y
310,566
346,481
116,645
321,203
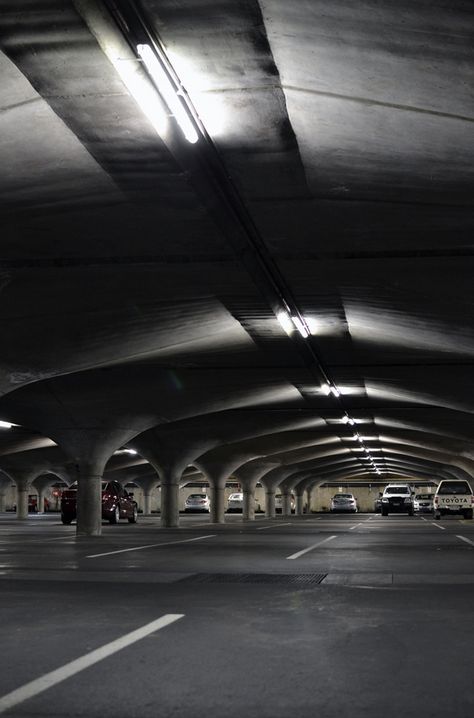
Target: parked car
x,y
378,503
279,503
344,502
423,503
453,497
235,503
197,502
116,504
397,498
33,504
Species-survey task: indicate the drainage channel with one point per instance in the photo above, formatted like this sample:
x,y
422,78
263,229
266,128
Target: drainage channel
x,y
282,579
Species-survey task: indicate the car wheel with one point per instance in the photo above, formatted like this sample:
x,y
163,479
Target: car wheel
x,y
134,518
384,512
115,517
468,514
411,512
66,520
437,516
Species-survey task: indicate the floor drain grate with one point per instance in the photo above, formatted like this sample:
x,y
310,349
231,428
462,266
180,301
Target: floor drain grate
x,y
281,579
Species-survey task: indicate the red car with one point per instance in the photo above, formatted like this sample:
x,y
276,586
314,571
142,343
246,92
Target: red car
x,y
116,504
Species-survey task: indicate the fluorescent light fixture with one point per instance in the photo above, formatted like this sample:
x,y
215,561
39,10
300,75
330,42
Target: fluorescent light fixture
x,y
285,321
335,391
125,451
6,425
300,327
326,389
347,420
168,92
139,86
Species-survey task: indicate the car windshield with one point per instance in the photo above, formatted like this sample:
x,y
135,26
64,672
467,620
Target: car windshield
x,y
454,487
397,490
423,497
196,496
343,496
235,497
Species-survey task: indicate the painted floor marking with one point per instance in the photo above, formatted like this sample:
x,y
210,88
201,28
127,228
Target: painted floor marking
x,y
262,528
443,528
29,690
463,538
151,545
310,548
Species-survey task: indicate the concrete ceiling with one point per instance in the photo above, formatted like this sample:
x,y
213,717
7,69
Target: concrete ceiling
x,y
141,276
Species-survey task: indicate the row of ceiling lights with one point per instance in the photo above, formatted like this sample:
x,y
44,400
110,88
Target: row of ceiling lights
x,y
171,91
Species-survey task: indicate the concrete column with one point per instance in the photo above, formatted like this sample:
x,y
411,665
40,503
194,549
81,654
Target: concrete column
x,y
169,504
300,504
286,508
23,488
308,501
89,500
270,503
41,496
248,511
218,504
3,497
146,503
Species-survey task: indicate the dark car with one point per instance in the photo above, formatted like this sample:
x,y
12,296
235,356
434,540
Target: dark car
x,y
116,504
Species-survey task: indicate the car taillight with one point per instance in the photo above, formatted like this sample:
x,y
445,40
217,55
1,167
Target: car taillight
x,y
472,499
436,500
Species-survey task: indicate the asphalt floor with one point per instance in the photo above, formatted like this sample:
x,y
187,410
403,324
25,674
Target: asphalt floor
x,y
321,615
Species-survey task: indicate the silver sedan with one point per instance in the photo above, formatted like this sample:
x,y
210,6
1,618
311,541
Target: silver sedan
x,y
344,502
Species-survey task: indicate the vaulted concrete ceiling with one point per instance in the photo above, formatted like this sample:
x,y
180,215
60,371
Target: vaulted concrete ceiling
x,y
141,276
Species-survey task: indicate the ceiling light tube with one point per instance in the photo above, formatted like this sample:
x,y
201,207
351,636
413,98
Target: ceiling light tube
x,y
326,389
300,327
335,391
5,425
285,321
167,91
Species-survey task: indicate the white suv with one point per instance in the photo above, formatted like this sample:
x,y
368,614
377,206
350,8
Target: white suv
x,y
397,498
453,496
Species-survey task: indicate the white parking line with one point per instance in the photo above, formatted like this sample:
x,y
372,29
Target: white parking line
x,y
443,528
151,545
310,548
29,690
463,538
262,528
